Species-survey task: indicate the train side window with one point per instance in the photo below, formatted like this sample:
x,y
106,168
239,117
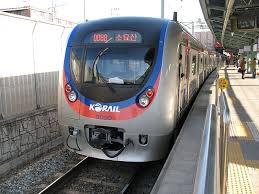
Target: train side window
x,y
194,64
75,61
149,56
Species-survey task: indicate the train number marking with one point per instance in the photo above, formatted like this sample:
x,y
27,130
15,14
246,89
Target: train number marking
x,y
103,117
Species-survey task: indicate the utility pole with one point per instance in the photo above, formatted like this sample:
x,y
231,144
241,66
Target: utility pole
x,y
84,11
115,11
52,5
162,8
187,25
193,28
53,9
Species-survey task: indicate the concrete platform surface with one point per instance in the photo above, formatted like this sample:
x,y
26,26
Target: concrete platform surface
x,y
179,171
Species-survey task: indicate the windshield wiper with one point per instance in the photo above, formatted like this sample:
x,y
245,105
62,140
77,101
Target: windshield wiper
x,y
128,83
96,60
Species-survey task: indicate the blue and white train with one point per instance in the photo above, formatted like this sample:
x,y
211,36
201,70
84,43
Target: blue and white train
x,y
124,85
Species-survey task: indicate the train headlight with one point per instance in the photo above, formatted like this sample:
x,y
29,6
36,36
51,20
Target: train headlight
x,y
70,93
146,97
68,88
144,101
72,97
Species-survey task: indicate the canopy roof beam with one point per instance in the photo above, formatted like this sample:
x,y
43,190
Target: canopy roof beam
x,y
216,7
252,6
227,15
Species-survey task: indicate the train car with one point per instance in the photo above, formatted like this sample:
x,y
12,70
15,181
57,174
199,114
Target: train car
x,y
124,85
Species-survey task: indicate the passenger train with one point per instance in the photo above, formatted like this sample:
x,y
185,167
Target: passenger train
x,y
124,85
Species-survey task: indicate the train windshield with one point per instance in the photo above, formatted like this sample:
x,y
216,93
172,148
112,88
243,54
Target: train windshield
x,y
121,65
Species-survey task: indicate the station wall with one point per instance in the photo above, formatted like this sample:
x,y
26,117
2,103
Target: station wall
x,y
24,138
31,54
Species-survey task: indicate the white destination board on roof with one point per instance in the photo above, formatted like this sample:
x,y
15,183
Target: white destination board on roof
x,y
247,48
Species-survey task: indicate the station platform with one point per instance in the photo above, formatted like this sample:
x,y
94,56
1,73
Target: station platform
x,y
179,172
243,142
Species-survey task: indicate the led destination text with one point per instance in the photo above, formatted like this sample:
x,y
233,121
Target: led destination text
x,y
115,37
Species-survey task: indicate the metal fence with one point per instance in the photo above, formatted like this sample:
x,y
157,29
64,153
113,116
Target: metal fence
x,y
32,53
223,141
212,171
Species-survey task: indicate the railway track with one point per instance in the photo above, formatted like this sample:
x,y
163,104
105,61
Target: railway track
x,y
95,176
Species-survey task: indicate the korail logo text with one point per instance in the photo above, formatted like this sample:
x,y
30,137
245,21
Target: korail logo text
x,y
103,108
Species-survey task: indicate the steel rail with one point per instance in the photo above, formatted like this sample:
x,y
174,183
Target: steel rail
x,y
55,184
127,186
60,182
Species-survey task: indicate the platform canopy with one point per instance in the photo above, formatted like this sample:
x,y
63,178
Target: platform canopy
x,y
235,23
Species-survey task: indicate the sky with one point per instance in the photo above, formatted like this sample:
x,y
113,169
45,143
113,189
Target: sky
x,y
188,10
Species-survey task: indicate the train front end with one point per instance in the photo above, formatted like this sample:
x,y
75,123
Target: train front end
x,y
109,90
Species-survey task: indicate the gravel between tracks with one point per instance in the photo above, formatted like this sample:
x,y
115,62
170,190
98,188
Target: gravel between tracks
x,y
36,175
100,176
103,178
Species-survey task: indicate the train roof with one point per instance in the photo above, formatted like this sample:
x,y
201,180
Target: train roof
x,y
147,26
144,25
192,38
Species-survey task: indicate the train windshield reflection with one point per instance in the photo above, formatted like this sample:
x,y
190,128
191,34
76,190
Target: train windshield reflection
x,y
126,65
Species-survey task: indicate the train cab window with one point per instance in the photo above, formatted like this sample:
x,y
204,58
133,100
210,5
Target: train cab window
x,y
75,61
194,64
125,65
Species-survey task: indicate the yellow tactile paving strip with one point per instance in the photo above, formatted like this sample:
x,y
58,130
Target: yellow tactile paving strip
x,y
238,174
239,177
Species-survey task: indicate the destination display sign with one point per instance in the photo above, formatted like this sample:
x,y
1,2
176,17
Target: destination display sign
x,y
118,36
246,22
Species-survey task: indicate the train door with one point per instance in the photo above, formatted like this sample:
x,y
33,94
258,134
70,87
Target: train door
x,y
201,70
211,62
188,72
198,70
193,74
182,79
205,65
